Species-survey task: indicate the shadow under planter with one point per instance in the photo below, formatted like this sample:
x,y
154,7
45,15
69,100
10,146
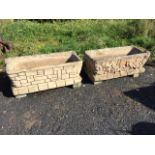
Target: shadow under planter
x,y
85,78
145,95
30,74
151,63
143,128
109,63
5,85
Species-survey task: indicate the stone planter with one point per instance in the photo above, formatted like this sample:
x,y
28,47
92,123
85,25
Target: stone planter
x,y
30,74
108,63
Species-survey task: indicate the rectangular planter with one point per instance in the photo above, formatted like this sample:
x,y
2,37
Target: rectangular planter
x,y
30,74
108,63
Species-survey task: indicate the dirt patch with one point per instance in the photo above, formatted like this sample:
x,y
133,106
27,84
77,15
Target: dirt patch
x,y
30,119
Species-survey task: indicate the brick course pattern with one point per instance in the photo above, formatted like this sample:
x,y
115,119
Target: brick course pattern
x,y
63,69
109,63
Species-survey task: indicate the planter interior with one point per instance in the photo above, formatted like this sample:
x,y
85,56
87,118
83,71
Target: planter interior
x,y
26,63
113,52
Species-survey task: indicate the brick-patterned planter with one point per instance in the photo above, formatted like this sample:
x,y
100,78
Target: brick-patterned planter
x,y
108,63
30,74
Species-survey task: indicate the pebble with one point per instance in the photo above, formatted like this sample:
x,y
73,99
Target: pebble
x,y
4,112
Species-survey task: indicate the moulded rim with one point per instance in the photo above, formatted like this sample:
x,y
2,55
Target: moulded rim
x,y
142,51
12,63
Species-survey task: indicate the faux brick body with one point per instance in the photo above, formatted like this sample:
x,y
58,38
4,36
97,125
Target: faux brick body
x,y
41,72
108,63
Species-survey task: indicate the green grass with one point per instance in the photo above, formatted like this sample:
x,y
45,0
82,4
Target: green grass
x,y
29,37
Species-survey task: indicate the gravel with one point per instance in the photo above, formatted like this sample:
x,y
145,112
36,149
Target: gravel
x,y
119,106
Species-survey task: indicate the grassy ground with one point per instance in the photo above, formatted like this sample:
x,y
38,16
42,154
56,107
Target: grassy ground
x,y
32,37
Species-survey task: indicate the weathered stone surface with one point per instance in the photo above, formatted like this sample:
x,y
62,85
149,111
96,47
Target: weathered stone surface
x,y
40,77
13,75
43,86
23,81
59,74
21,90
51,85
77,85
65,76
20,78
60,83
42,72
38,82
104,64
30,79
63,71
15,91
77,80
48,71
31,73
47,80
25,84
33,88
69,82
73,75
16,83
22,73
53,76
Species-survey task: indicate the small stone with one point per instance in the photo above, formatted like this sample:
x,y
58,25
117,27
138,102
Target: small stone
x,y
4,112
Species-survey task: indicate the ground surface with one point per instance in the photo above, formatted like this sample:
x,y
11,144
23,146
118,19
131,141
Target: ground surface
x,y
120,106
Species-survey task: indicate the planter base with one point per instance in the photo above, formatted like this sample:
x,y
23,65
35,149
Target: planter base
x,y
22,92
21,96
97,82
77,85
135,75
